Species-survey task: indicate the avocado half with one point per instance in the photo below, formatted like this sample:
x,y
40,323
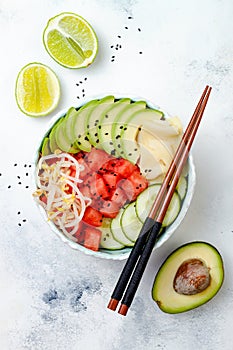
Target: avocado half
x,y
189,277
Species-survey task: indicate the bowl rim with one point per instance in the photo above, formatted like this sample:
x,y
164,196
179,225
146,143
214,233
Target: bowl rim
x,y
125,252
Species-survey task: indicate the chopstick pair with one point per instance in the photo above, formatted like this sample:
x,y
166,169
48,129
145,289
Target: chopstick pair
x,y
132,272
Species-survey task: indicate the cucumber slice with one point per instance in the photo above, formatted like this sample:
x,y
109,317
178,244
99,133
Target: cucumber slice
x,y
107,240
173,210
117,231
130,223
146,199
182,187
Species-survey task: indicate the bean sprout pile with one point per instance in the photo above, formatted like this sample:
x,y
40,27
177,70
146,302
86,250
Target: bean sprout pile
x,y
58,191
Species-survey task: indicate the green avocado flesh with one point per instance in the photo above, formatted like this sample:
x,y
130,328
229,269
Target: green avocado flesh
x,y
189,277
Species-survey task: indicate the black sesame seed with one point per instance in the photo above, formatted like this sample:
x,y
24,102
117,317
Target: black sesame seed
x,y
111,143
29,165
104,239
79,143
19,224
97,141
83,90
18,177
99,127
106,133
18,213
108,205
126,28
9,186
26,186
117,137
130,154
135,149
86,138
113,152
139,129
26,174
83,95
96,134
15,164
119,146
130,17
140,52
78,97
19,183
125,128
24,220
139,29
119,36
77,84
85,79
121,127
106,116
112,46
25,165
80,82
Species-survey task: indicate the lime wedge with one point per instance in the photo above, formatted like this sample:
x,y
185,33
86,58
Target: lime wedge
x,y
70,40
37,90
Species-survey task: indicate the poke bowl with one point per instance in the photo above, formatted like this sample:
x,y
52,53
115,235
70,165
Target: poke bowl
x,y
98,168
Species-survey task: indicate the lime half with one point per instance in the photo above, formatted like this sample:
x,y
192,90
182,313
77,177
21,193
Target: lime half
x,y
70,40
37,90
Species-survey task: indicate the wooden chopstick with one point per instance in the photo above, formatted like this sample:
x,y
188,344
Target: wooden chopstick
x,y
153,235
148,235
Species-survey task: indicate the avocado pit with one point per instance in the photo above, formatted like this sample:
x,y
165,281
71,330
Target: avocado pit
x,y
192,277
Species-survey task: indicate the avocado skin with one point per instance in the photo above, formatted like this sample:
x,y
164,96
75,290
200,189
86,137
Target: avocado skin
x,y
174,303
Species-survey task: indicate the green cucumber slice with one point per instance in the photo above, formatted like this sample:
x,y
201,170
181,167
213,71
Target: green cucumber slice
x,y
117,231
146,199
107,240
173,210
182,187
130,223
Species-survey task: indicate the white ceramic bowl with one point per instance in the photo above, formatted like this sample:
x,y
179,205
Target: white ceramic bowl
x,y
123,253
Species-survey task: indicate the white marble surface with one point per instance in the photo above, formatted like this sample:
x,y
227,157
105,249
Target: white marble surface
x,y
52,297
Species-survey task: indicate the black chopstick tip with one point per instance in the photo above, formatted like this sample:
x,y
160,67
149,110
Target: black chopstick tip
x,y
112,305
123,309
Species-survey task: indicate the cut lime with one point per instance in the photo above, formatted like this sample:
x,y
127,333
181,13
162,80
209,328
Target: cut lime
x,y
70,40
37,90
